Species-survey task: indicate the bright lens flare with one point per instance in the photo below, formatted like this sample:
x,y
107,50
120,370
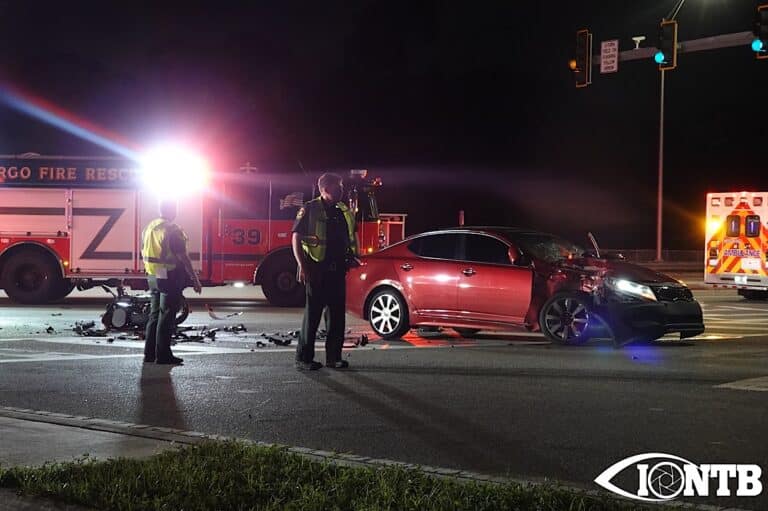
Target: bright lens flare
x,y
713,225
174,171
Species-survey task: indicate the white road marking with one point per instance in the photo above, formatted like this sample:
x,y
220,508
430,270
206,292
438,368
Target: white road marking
x,y
733,328
12,355
758,316
752,384
740,308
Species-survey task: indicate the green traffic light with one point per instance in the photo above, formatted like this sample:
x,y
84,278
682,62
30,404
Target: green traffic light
x,y
758,45
660,58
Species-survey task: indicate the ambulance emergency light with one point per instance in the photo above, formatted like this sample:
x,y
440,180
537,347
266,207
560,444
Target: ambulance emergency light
x,y
174,171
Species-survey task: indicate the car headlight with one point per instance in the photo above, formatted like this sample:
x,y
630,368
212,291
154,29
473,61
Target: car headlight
x,y
628,287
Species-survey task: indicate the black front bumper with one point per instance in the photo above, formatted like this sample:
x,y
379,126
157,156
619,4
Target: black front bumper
x,y
651,320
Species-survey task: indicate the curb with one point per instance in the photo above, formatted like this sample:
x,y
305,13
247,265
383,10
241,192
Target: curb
x,y
177,436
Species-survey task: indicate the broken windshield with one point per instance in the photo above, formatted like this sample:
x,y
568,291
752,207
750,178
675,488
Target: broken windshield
x,y
546,247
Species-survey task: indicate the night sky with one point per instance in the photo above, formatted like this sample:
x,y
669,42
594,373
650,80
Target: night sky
x,y
454,104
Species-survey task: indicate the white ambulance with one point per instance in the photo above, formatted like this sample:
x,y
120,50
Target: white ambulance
x,y
737,243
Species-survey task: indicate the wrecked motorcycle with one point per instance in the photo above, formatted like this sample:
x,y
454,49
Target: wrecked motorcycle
x,y
130,313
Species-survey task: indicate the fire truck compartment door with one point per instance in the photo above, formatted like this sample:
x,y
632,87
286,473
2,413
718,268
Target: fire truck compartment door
x,y
189,218
104,231
38,212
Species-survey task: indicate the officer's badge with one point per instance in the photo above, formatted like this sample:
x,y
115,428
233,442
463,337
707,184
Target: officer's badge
x,y
300,214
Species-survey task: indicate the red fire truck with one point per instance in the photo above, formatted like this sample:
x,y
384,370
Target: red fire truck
x,y
77,221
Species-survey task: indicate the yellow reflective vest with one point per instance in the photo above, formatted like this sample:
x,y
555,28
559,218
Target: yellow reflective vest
x,y
156,250
314,244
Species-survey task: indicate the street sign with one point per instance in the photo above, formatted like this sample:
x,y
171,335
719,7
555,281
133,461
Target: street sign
x,y
609,56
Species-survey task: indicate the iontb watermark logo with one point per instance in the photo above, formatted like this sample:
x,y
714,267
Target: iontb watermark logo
x,y
663,477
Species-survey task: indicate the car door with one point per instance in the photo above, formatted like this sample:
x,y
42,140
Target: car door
x,y
491,288
430,275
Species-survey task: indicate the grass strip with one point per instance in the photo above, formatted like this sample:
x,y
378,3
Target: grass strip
x,y
240,476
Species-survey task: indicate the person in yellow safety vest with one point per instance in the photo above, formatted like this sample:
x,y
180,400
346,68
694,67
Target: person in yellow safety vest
x,y
169,271
324,244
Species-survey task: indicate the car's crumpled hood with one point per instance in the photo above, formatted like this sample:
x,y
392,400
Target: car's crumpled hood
x,y
620,269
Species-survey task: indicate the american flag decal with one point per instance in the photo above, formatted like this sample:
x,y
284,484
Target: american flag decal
x,y
292,200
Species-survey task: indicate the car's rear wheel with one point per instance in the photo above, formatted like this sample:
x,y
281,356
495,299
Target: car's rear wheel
x,y
565,318
388,314
466,332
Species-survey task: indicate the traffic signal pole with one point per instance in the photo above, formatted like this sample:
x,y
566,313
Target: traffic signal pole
x,y
659,202
692,46
648,53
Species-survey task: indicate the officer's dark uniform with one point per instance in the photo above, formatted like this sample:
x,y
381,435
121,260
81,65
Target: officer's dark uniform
x,y
166,294
325,286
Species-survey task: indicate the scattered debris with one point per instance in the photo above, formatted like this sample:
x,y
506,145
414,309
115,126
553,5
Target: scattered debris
x,y
280,340
56,314
50,330
260,344
215,316
88,329
235,329
110,339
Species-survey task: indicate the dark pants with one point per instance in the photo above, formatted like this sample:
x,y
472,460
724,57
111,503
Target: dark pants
x,y
325,288
165,304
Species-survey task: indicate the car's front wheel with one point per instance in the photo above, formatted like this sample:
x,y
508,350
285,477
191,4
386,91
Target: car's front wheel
x,y
565,318
388,314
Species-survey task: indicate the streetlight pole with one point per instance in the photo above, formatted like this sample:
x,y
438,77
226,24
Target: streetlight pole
x,y
660,198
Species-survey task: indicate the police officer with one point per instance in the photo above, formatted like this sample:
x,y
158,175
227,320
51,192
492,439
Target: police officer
x,y
169,270
323,241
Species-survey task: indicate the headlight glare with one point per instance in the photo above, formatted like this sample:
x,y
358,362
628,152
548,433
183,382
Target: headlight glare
x,y
628,287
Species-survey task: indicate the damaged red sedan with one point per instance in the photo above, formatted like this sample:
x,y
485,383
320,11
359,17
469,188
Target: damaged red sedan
x,y
494,278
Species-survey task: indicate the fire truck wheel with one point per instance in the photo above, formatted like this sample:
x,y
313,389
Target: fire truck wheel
x,y
280,286
388,314
183,314
564,318
30,277
61,291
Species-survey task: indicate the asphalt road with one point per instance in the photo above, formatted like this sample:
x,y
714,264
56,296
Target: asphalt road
x,y
509,404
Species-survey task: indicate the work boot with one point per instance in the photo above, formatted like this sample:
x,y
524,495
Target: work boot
x,y
339,364
308,366
170,361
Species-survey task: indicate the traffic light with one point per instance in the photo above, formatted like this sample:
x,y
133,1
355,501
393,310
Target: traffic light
x,y
666,57
581,65
760,43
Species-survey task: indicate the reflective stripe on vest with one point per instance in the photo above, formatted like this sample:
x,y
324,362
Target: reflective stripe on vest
x,y
156,251
314,245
